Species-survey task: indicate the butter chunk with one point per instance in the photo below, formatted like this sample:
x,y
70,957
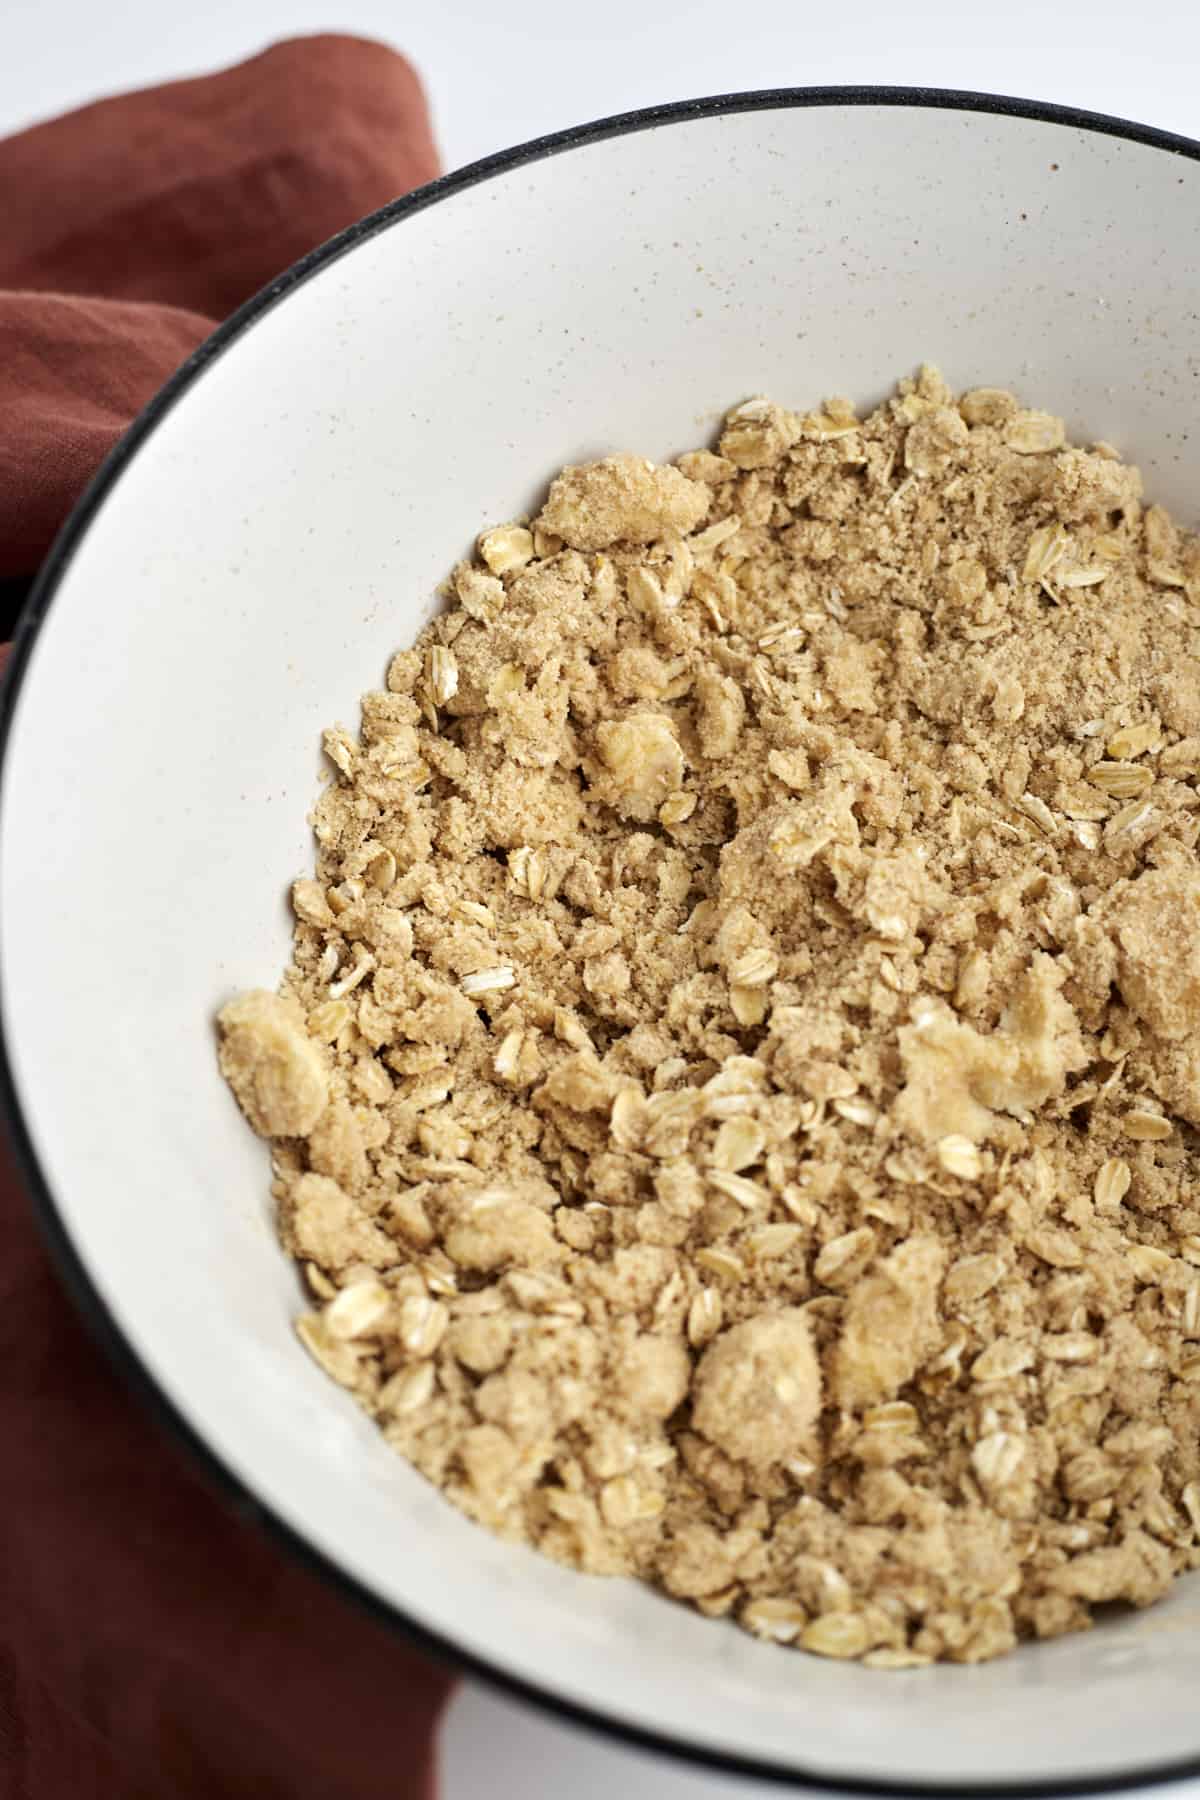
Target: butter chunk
x,y
624,499
276,1071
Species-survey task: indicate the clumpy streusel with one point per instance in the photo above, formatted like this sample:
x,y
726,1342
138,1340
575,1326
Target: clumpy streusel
x,y
734,1096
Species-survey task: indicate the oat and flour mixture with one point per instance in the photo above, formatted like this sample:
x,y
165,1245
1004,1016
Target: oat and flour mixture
x,y
734,1098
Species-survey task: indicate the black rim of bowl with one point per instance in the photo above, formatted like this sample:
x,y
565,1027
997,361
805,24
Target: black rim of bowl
x,y
104,1325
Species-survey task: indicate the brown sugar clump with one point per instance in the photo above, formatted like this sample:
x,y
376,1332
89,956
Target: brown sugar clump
x,y
1156,922
734,1094
757,1389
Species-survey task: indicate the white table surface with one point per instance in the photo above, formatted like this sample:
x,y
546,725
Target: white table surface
x,y
498,74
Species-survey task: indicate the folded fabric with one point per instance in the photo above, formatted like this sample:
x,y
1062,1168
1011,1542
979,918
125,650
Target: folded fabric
x,y
135,225
152,1643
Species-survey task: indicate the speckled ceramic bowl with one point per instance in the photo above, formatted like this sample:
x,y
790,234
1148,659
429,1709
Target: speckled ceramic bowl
x,y
271,529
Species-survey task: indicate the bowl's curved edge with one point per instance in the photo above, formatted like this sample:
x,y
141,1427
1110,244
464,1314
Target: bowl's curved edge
x,y
99,1318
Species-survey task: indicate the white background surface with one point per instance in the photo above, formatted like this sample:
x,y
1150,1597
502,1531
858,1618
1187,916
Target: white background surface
x,y
501,73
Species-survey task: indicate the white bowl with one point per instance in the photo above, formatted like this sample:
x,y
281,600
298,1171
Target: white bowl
x,y
271,529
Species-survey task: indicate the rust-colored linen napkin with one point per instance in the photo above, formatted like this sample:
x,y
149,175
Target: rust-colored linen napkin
x,y
133,226
152,1643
